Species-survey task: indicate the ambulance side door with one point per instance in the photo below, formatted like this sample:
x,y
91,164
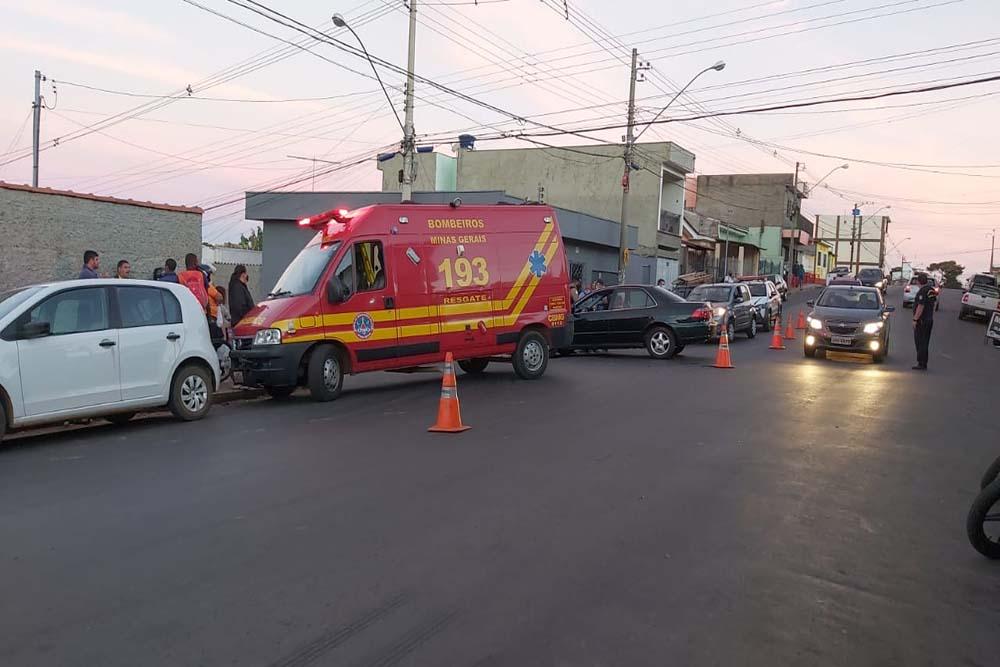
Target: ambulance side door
x,y
417,323
370,307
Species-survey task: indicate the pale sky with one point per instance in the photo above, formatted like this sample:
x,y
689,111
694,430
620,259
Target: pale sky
x,y
522,56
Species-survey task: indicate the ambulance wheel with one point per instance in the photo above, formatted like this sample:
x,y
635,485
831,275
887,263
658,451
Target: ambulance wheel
x,y
473,366
531,356
325,375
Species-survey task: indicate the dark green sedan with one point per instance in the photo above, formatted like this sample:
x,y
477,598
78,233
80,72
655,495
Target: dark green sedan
x,y
640,316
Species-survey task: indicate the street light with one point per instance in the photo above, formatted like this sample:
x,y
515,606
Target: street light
x,y
816,184
340,22
630,140
718,67
407,144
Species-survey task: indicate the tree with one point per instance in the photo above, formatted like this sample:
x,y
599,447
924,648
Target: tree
x,y
951,270
255,241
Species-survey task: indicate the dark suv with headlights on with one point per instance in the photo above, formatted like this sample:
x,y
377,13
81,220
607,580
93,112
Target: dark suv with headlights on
x,y
847,318
873,278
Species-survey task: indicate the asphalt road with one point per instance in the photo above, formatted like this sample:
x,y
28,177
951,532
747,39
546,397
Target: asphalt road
x,y
620,511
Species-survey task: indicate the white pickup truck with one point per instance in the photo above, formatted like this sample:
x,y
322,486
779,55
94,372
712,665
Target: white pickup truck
x,y
979,303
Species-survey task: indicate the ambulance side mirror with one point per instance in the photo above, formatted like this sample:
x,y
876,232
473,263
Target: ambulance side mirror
x,y
336,291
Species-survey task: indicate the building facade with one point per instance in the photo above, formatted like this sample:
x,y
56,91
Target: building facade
x,y
767,205
588,179
46,231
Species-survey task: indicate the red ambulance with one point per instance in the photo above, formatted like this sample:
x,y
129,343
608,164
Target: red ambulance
x,y
396,286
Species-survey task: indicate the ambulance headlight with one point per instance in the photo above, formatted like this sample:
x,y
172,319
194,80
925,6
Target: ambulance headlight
x,y
267,337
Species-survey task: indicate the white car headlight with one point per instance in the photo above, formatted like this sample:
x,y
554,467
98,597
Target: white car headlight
x,y
815,324
267,337
720,312
873,327
880,284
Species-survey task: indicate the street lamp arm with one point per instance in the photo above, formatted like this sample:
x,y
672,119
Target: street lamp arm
x,y
339,21
718,67
817,183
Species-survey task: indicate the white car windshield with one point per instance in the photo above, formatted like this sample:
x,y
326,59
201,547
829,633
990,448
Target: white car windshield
x,y
14,298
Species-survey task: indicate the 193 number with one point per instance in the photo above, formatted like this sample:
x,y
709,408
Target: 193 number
x,y
464,272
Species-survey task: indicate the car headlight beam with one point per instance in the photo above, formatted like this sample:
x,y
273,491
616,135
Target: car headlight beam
x,y
720,312
815,324
873,327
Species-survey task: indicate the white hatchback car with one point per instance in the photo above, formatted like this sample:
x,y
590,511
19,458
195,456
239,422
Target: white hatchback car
x,y
103,348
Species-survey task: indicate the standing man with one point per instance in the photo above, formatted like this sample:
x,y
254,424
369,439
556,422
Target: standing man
x,y
91,263
661,283
923,320
123,270
240,300
169,274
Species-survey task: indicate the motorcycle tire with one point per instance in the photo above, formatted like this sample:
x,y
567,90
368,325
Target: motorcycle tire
x,y
985,511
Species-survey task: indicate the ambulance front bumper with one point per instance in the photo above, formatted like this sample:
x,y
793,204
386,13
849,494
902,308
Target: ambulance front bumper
x,y
269,365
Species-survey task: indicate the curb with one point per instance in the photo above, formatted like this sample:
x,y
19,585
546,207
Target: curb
x,y
232,395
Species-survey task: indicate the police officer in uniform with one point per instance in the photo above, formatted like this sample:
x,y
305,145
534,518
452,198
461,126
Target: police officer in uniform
x,y
923,320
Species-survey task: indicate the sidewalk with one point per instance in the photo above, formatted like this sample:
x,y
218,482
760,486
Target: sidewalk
x,y
229,392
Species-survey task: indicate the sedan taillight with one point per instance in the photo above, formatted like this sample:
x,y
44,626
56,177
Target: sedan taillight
x,y
703,314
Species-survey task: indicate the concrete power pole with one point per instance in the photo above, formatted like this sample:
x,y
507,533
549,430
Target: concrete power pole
x,y
36,128
409,149
626,177
993,246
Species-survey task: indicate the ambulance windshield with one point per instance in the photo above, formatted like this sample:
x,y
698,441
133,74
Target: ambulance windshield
x,y
301,275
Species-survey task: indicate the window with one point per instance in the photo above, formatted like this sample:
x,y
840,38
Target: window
x,y
666,296
345,271
14,298
595,301
73,311
860,299
171,307
759,289
638,298
618,300
140,307
301,275
745,292
370,268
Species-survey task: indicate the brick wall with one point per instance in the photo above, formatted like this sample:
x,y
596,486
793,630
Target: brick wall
x,y
43,236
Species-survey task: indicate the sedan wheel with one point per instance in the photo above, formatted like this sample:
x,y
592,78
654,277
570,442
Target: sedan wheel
x,y
752,331
661,343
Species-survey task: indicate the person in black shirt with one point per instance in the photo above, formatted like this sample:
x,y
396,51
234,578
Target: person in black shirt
x,y
923,320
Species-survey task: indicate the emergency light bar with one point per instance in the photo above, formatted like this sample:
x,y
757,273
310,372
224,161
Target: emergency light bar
x,y
317,221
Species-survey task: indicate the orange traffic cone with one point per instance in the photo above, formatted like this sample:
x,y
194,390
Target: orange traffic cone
x,y
801,324
789,331
722,358
776,342
449,419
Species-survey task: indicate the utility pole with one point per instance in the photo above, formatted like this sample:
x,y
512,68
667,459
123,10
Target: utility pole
x,y
409,149
993,246
626,175
36,128
793,217
854,232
